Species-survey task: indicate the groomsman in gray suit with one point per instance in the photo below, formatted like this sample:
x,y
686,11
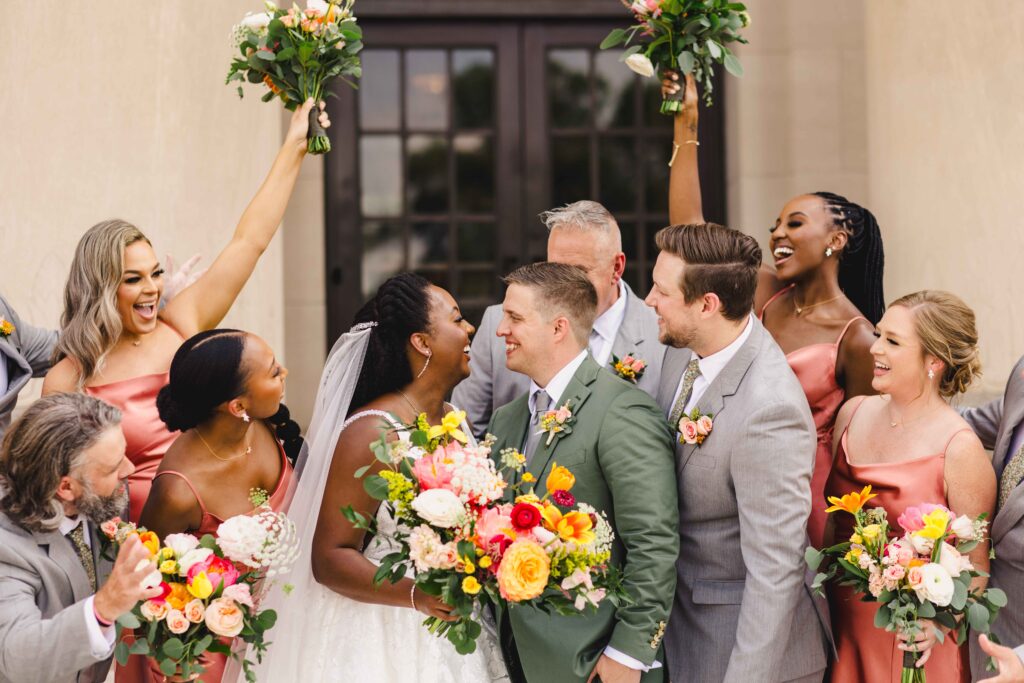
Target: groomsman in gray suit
x,y
582,234
742,610
62,471
25,352
1000,426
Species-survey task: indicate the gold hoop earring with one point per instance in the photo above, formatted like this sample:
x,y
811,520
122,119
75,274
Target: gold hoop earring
x,y
429,354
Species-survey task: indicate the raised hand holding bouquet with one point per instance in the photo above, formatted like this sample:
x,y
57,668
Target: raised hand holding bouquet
x,y
210,590
681,35
467,546
922,574
296,53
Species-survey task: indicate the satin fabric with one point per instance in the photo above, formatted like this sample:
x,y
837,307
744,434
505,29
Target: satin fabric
x,y
866,653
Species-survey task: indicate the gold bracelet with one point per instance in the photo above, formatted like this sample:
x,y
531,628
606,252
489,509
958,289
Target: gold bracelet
x,y
412,597
675,149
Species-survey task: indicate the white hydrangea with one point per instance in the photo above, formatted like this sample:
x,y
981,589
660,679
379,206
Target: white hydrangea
x,y
241,537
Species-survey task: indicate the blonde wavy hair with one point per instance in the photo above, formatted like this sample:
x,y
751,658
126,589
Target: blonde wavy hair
x,y
90,324
945,325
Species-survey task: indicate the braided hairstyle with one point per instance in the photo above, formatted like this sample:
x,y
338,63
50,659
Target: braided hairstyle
x,y
206,372
862,262
400,308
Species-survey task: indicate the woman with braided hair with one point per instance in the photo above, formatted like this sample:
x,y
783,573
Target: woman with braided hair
x,y
820,302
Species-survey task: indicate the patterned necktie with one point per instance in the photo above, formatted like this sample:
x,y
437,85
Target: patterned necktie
x,y
77,536
541,402
1012,475
689,377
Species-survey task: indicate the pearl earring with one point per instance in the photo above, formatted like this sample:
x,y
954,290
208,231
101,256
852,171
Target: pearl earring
x,y
429,354
245,416
828,251
931,374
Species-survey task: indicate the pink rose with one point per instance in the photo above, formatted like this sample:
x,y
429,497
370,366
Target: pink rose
x,y
154,610
432,471
639,366
894,573
224,617
194,611
176,622
109,527
688,430
915,578
627,359
704,425
562,414
239,593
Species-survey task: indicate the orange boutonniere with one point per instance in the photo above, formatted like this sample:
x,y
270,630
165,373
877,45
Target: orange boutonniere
x,y
629,367
6,328
557,422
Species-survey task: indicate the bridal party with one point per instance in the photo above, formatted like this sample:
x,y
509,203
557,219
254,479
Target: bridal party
x,y
654,445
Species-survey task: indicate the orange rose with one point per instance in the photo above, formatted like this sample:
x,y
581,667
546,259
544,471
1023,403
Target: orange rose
x,y
524,571
560,479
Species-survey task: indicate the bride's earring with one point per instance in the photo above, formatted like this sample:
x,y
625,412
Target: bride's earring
x,y
245,416
828,251
429,354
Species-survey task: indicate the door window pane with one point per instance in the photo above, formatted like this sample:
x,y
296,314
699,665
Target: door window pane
x,y
570,169
427,174
477,242
477,284
657,152
474,169
426,89
618,168
473,88
568,91
380,175
378,90
614,84
383,253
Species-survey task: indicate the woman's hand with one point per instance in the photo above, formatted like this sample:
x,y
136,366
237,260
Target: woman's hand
x,y
922,641
433,606
688,115
299,126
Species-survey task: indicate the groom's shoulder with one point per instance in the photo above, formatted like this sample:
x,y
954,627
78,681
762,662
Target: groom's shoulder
x,y
617,391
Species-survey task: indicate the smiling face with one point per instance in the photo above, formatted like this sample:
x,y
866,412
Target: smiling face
x,y
527,331
449,336
901,365
678,321
140,289
264,379
802,233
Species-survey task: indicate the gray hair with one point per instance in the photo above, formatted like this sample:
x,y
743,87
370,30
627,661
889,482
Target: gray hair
x,y
585,216
46,443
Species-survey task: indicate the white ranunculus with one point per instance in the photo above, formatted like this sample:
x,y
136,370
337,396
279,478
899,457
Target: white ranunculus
x,y
192,557
257,21
320,6
241,537
936,585
922,545
181,543
440,507
950,559
963,528
640,64
153,578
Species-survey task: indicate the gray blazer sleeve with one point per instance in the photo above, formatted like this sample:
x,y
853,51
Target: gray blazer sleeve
x,y
475,394
35,344
772,480
984,420
33,649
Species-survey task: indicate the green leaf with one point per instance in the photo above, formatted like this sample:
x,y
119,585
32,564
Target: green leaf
x,y
129,621
139,647
996,596
168,667
629,52
267,619
733,66
203,643
813,558
926,611
376,486
208,541
265,55
686,62
883,616
959,595
173,648
714,48
361,471
305,52
614,38
978,615
121,653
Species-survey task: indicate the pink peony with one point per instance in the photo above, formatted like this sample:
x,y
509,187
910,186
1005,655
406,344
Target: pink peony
x,y
224,618
496,521
239,593
433,471
176,622
688,430
219,571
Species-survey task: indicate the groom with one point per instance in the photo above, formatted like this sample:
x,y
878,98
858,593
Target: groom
x,y
742,611
620,451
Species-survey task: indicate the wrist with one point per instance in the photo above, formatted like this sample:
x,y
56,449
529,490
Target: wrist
x,y
103,612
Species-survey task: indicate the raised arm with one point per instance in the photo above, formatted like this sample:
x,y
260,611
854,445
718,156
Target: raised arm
x,y
202,305
684,202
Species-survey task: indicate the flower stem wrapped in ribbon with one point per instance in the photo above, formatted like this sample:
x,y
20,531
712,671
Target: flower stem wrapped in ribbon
x,y
296,54
681,35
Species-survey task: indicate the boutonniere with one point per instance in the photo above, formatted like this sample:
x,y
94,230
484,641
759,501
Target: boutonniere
x,y
6,328
695,427
629,367
556,423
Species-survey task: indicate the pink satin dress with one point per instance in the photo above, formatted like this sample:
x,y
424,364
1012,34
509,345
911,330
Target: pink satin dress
x,y
214,664
868,654
815,368
146,435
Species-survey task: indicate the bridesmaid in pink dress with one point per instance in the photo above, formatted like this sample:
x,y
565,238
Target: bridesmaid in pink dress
x,y
826,287
224,396
912,448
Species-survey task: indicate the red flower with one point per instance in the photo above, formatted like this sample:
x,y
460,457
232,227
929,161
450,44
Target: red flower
x,y
525,516
563,498
502,541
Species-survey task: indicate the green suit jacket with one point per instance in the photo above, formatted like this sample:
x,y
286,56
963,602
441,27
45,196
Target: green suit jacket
x,y
621,453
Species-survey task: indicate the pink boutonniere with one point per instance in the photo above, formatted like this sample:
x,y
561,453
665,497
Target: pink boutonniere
x,y
629,367
6,327
695,427
557,422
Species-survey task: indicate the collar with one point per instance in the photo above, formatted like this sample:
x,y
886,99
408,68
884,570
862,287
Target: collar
x,y
556,387
68,524
711,366
608,323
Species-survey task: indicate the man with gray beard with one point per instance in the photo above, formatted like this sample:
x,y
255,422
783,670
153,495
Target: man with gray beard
x,y
63,471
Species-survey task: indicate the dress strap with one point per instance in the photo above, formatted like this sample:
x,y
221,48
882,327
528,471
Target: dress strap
x,y
378,413
849,324
774,296
188,483
955,434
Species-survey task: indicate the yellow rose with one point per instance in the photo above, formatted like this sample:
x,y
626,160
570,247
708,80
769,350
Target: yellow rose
x,y
560,479
468,567
871,532
524,571
200,586
470,586
168,566
167,553
527,477
485,562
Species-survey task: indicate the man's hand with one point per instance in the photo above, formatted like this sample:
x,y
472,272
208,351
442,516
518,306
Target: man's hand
x,y
181,278
610,671
1011,669
124,589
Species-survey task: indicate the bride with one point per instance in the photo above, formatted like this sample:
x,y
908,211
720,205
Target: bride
x,y
407,351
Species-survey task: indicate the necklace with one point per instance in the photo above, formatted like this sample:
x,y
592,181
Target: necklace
x,y
412,405
247,451
902,423
801,309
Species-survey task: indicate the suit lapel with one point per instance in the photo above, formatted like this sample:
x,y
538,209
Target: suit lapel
x,y
60,550
1009,515
1012,417
575,394
631,332
671,374
18,370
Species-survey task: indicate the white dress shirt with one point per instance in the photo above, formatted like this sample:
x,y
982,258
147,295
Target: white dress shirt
x,y
557,385
101,638
606,328
711,366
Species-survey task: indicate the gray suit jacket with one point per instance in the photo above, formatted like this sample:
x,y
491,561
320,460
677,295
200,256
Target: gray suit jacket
x,y
994,424
27,353
491,384
43,636
743,611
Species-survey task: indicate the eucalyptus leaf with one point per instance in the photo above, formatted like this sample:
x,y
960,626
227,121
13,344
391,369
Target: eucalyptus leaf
x,y
813,558
168,667
978,617
129,621
715,49
614,38
173,648
686,62
376,487
121,653
139,647
959,595
732,65
996,596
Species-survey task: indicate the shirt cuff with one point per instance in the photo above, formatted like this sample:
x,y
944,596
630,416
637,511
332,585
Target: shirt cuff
x,y
625,660
101,638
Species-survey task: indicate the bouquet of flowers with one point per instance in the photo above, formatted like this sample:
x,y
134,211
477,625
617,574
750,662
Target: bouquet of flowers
x,y
922,574
207,590
468,545
681,35
295,53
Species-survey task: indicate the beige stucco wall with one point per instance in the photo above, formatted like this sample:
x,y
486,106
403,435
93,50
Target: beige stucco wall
x,y
120,109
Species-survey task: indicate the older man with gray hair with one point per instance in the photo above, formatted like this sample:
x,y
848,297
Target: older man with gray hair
x,y
586,235
63,472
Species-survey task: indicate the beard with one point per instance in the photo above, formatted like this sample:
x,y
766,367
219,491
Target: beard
x,y
677,339
99,509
